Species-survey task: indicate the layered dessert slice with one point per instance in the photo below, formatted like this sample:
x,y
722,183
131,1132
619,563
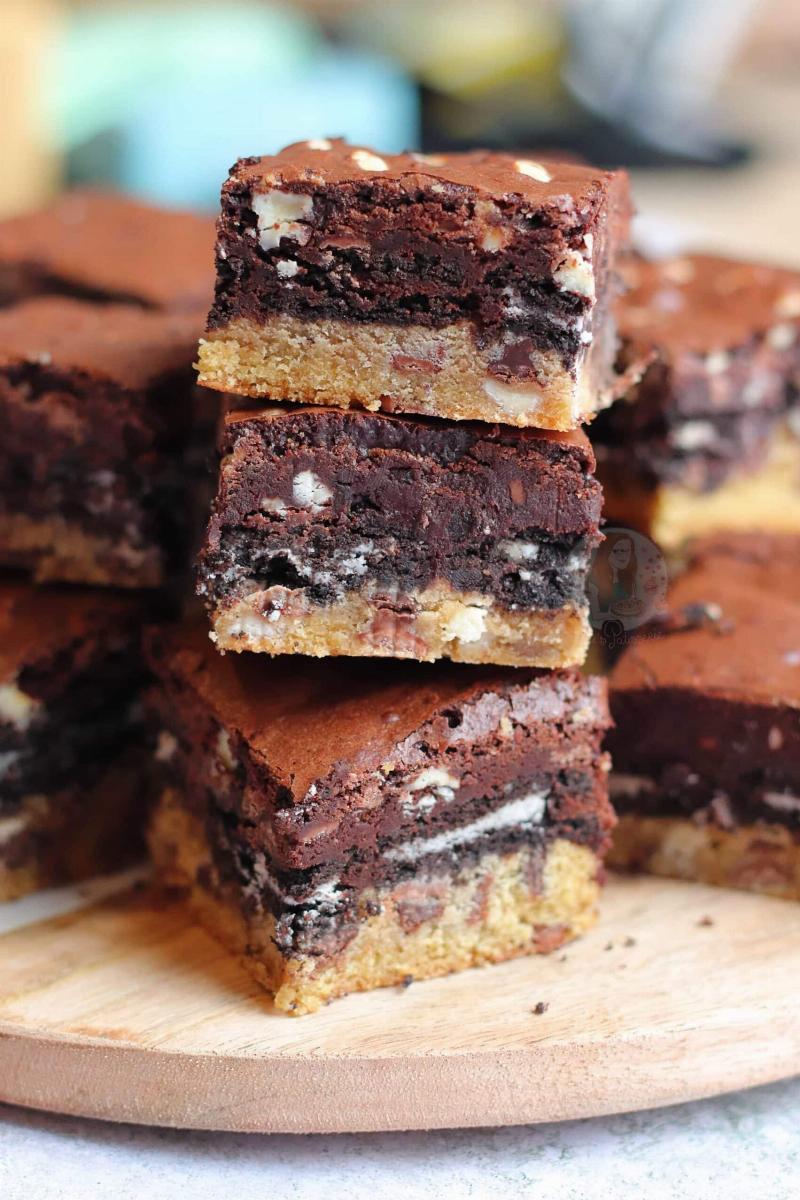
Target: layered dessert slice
x,y
345,828
102,246
470,286
706,747
97,407
73,769
707,438
364,534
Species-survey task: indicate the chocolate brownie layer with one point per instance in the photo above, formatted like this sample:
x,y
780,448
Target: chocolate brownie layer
x,y
465,285
71,735
707,741
321,510
97,411
105,247
311,792
713,347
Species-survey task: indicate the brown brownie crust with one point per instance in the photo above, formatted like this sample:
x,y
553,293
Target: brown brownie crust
x,y
105,247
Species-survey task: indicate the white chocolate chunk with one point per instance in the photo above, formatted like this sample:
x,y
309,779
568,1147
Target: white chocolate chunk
x,y
717,362
788,305
433,777
224,752
693,435
514,399
309,491
782,801
463,622
518,551
781,337
575,275
16,706
319,144
534,170
429,160
287,268
272,505
279,214
369,161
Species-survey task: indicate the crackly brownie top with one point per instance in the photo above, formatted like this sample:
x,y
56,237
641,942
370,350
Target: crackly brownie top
x,y
106,243
729,631
343,716
126,345
701,303
37,624
327,162
770,562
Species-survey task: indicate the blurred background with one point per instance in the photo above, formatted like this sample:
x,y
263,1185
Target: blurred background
x,y
701,98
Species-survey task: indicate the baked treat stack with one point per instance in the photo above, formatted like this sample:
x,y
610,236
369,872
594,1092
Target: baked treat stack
x,y
703,455
99,414
435,328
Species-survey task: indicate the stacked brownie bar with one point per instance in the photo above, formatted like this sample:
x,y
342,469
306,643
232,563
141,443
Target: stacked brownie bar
x,y
706,747
702,455
706,437
101,424
435,328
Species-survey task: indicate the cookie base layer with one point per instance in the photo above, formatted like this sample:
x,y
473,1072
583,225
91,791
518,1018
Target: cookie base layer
x,y
488,913
56,551
436,623
73,837
754,858
400,368
767,499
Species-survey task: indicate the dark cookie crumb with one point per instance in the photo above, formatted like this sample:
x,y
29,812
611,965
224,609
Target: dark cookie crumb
x,y
540,1008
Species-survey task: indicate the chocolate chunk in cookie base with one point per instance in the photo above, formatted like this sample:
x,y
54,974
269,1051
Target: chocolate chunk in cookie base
x,y
73,767
354,533
706,437
706,747
344,828
105,247
97,408
470,286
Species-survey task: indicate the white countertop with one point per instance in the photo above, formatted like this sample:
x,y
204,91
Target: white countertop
x,y
745,1146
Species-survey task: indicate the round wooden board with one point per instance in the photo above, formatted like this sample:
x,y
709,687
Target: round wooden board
x,y
126,1011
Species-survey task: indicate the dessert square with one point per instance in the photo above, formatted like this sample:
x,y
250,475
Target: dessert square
x,y
706,744
471,286
344,828
96,407
352,533
72,767
707,438
102,246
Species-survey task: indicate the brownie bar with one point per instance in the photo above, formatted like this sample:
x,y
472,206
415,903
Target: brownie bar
x,y
105,247
359,533
96,406
706,436
706,748
72,770
470,286
345,829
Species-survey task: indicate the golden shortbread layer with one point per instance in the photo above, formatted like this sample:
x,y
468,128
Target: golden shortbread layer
x,y
487,913
75,841
755,858
767,499
399,368
59,552
443,623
